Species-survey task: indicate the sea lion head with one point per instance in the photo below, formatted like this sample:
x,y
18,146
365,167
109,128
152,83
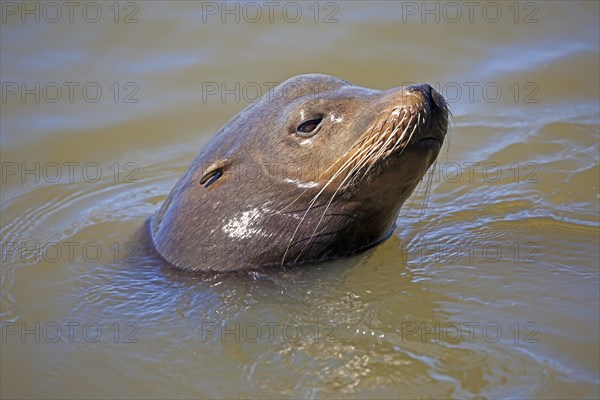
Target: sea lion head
x,y
316,169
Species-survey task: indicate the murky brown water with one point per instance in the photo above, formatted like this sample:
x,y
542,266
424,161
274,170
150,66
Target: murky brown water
x,y
490,290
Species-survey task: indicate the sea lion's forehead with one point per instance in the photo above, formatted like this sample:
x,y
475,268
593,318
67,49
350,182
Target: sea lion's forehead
x,y
324,97
311,85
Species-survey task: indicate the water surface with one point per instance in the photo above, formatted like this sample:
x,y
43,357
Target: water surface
x,y
488,288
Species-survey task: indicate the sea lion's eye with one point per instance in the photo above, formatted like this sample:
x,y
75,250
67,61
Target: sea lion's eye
x,y
309,128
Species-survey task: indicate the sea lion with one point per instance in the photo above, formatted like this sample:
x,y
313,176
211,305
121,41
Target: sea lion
x,y
316,169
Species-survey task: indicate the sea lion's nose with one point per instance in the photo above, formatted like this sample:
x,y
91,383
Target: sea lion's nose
x,y
432,97
425,89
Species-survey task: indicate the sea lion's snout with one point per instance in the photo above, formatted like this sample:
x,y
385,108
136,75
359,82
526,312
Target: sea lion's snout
x,y
416,116
431,113
434,99
429,93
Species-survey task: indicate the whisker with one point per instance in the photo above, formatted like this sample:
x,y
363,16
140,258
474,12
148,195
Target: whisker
x,y
428,184
311,203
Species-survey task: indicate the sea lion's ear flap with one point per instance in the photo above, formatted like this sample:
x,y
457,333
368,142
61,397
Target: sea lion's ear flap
x,y
213,172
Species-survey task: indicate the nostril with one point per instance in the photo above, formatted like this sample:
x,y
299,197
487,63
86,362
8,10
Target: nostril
x,y
424,88
433,98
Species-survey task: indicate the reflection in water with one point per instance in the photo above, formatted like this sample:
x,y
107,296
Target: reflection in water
x,y
489,290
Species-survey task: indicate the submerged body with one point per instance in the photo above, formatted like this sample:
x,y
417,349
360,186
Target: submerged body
x,y
316,169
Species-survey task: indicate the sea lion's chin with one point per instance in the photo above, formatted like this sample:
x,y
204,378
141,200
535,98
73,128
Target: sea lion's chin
x,y
391,182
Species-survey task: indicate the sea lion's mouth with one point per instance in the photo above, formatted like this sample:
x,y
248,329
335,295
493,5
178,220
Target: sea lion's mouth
x,y
429,142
